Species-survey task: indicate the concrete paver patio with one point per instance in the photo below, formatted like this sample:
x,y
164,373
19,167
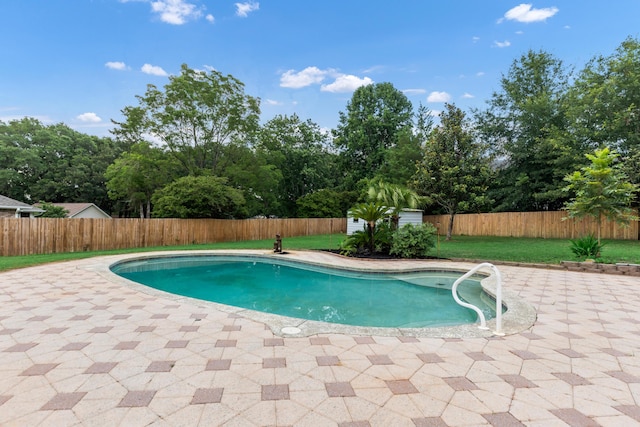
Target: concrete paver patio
x,y
79,348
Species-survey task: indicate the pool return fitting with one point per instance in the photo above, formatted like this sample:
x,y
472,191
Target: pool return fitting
x,y
498,297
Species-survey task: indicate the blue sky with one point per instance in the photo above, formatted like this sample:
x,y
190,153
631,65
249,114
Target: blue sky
x,y
80,62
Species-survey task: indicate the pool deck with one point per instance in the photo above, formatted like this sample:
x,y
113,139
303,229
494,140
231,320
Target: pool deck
x,y
81,347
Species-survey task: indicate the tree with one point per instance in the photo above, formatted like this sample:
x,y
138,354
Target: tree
x,y
20,161
52,211
371,213
195,116
454,172
601,190
375,117
249,171
525,125
605,101
325,203
298,149
400,160
399,163
198,197
137,174
54,163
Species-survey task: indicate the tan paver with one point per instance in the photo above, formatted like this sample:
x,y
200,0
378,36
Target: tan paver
x,y
80,348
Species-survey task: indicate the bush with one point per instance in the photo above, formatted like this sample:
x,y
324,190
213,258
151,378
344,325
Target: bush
x,y
586,247
354,243
413,241
359,242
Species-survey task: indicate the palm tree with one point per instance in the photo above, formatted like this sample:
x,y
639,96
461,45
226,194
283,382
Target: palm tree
x,y
394,197
371,213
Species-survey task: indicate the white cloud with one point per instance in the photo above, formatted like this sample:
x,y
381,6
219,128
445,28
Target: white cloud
x,y
243,9
475,39
176,12
414,91
89,118
480,73
526,13
314,75
116,65
210,18
153,70
306,77
346,83
272,102
438,97
505,43
467,96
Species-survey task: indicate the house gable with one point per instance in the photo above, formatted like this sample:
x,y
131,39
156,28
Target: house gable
x,y
83,210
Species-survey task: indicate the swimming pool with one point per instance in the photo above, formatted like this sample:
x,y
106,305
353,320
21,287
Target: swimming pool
x,y
300,290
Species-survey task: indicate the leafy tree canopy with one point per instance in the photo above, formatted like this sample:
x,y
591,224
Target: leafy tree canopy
x,y
195,116
604,101
299,150
454,172
199,197
134,176
54,163
525,126
375,117
326,203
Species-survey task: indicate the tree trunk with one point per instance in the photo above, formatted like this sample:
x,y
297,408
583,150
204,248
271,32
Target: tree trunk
x,y
450,227
395,220
372,246
141,210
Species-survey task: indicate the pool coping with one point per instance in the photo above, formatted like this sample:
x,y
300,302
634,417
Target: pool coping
x,y
518,317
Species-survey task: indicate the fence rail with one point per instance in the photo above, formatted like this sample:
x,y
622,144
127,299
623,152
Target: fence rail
x,y
24,236
547,225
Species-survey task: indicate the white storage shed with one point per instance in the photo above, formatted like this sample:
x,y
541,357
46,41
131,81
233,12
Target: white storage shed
x,y
407,216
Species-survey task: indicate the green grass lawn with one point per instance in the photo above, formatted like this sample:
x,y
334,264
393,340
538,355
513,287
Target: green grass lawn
x,y
547,251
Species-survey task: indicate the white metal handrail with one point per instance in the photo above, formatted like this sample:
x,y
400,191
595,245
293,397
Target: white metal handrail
x,y
498,295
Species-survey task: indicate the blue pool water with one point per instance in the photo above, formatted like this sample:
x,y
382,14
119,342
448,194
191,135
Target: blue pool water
x,y
300,290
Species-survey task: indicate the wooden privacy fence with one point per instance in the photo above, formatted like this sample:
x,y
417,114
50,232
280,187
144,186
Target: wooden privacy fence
x,y
25,236
548,225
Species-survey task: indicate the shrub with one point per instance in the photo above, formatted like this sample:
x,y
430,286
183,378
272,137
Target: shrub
x,y
360,242
413,241
586,247
354,243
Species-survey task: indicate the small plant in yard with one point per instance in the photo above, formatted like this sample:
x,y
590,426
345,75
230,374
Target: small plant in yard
x,y
413,241
586,247
359,242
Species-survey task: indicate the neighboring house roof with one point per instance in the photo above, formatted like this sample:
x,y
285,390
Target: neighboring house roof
x,y
81,210
8,203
